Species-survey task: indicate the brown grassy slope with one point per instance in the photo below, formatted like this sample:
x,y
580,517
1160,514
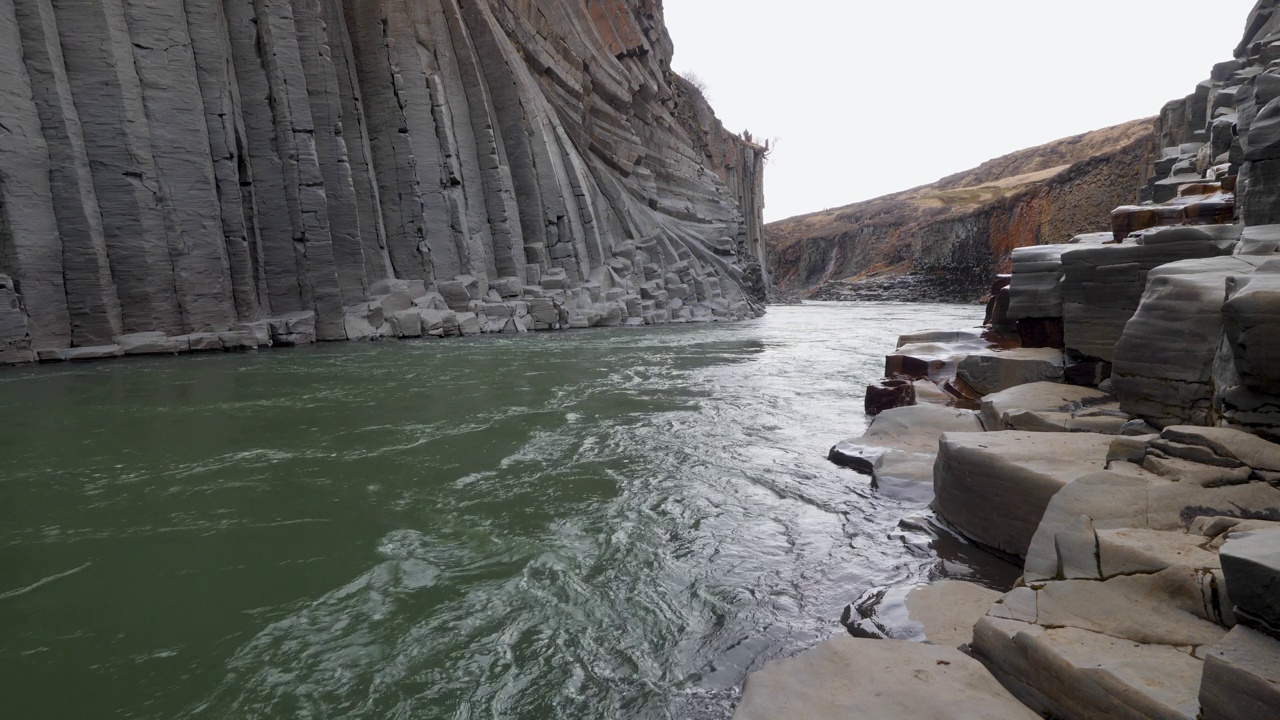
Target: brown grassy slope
x,y
968,223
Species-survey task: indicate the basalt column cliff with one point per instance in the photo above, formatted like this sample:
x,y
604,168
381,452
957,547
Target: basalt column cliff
x,y
216,174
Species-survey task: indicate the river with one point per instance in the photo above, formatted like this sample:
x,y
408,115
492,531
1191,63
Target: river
x,y
596,524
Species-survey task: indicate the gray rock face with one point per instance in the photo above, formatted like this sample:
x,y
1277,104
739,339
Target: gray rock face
x,y
995,372
1241,677
186,168
1251,562
995,487
1102,285
1165,360
1036,287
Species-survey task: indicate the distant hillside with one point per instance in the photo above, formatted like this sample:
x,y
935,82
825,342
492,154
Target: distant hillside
x,y
953,235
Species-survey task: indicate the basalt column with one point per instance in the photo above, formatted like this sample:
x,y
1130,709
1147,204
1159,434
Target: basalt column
x,y
223,174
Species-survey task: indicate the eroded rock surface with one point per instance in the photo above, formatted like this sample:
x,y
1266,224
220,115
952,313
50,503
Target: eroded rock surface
x,y
186,168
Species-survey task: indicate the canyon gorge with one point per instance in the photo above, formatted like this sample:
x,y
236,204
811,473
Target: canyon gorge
x,y
1073,510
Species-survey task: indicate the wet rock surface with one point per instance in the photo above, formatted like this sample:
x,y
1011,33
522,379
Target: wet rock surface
x,y
899,449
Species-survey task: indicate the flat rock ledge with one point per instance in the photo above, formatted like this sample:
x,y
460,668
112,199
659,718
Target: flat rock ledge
x,y
849,678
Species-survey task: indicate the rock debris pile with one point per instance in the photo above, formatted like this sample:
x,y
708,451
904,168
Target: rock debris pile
x,y
1113,430
226,174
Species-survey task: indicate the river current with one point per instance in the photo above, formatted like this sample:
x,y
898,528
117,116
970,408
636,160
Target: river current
x,y
597,524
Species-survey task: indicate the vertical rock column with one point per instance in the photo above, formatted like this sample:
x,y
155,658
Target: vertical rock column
x,y
30,247
355,136
100,70
91,298
331,150
304,188
507,241
279,268
179,141
215,71
397,108
511,126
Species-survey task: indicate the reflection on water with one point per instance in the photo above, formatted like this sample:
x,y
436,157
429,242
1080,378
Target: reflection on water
x,y
584,525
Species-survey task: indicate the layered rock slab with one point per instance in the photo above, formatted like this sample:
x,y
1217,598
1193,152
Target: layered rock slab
x,y
1053,407
1164,362
899,449
848,678
994,487
1241,678
1077,674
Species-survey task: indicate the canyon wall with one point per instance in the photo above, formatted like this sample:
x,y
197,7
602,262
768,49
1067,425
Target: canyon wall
x,y
944,241
224,173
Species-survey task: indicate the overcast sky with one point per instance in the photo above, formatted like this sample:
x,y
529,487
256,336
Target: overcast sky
x,y
868,98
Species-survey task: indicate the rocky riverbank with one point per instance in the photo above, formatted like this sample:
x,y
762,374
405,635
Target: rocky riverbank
x,y
1113,430
212,175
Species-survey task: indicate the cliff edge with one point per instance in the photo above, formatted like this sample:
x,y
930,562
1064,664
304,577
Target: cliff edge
x,y
223,174
943,241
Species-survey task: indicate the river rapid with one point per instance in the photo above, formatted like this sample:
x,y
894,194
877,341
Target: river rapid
x,y
597,524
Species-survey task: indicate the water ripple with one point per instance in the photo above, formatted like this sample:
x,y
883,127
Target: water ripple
x,y
615,524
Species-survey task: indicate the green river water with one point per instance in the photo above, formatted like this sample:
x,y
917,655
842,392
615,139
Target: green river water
x,y
598,524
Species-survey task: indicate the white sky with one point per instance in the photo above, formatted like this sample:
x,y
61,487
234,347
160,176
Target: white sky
x,y
871,97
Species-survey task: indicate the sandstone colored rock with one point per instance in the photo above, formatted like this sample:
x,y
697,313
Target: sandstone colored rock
x,y
1243,447
849,678
1135,499
1077,674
